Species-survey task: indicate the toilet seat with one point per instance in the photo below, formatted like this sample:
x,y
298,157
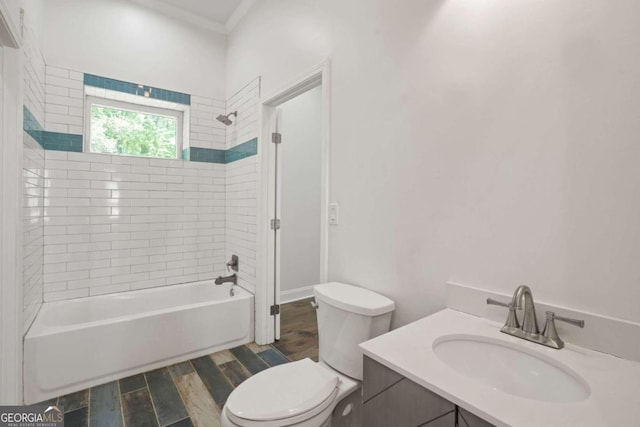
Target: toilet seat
x,y
283,395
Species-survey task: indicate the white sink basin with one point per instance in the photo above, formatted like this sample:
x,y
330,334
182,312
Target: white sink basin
x,y
511,368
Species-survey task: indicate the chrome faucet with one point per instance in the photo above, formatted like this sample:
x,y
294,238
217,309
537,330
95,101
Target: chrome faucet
x,y
529,329
529,322
227,279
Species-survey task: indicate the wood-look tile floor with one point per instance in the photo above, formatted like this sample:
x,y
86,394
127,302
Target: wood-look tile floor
x,y
190,393
298,330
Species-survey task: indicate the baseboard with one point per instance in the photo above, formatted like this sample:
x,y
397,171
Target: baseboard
x,y
296,294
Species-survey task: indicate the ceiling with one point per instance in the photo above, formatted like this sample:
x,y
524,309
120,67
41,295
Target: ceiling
x,y
215,10
217,15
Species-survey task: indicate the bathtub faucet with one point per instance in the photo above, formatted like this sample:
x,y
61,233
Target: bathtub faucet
x,y
228,279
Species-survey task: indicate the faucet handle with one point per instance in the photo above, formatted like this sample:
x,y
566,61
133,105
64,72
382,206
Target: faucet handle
x,y
512,320
233,264
492,301
551,333
575,322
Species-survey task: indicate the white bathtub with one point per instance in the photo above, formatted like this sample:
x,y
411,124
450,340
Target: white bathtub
x,y
84,342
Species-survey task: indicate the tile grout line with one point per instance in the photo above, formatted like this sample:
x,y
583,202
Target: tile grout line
x,y
155,412
186,409
131,391
215,404
121,404
281,353
224,377
177,421
242,366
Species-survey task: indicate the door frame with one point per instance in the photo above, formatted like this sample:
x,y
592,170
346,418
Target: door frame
x,y
11,328
268,289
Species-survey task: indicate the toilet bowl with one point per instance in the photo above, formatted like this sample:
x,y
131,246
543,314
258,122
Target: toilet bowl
x,y
310,394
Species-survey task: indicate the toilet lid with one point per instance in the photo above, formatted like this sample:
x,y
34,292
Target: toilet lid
x,y
283,392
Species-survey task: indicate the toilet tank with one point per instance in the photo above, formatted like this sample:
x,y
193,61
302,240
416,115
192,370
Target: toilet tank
x,y
347,316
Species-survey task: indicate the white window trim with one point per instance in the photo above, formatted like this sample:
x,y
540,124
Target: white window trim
x,y
90,101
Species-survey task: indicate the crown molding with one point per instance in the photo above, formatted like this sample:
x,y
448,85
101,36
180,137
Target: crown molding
x,y
238,14
10,31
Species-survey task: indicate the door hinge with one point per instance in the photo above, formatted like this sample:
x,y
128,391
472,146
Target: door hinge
x,y
275,224
275,309
276,137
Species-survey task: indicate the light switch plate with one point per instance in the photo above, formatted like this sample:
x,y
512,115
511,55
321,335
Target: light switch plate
x,y
333,214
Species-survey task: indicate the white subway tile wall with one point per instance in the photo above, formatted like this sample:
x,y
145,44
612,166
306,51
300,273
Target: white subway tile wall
x,y
245,102
242,205
115,223
241,210
34,77
64,101
205,130
32,183
32,228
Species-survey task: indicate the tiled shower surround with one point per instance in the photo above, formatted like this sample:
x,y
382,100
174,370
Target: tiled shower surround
x,y
33,180
32,227
241,184
117,223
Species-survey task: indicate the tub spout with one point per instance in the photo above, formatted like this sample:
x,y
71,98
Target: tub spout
x,y
228,279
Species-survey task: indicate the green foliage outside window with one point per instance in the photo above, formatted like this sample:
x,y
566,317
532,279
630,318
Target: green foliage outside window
x,y
132,133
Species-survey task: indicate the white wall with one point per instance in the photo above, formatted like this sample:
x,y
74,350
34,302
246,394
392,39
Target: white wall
x,y
300,194
122,40
33,17
491,143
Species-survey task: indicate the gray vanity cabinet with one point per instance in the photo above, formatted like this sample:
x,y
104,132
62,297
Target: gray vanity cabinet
x,y
389,399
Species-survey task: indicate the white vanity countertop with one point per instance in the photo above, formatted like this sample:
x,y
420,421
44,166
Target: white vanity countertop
x,y
614,382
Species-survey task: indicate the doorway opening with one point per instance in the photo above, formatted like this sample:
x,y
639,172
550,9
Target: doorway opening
x,y
294,207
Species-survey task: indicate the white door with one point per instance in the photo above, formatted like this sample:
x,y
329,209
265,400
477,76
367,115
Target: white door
x,y
275,222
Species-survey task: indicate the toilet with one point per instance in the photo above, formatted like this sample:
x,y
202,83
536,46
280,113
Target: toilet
x,y
322,394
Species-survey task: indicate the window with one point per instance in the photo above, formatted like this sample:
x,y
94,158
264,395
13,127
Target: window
x,y
128,129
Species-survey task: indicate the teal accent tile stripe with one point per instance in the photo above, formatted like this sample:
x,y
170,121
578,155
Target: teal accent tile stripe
x,y
207,155
62,142
50,140
32,127
242,151
136,89
69,142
